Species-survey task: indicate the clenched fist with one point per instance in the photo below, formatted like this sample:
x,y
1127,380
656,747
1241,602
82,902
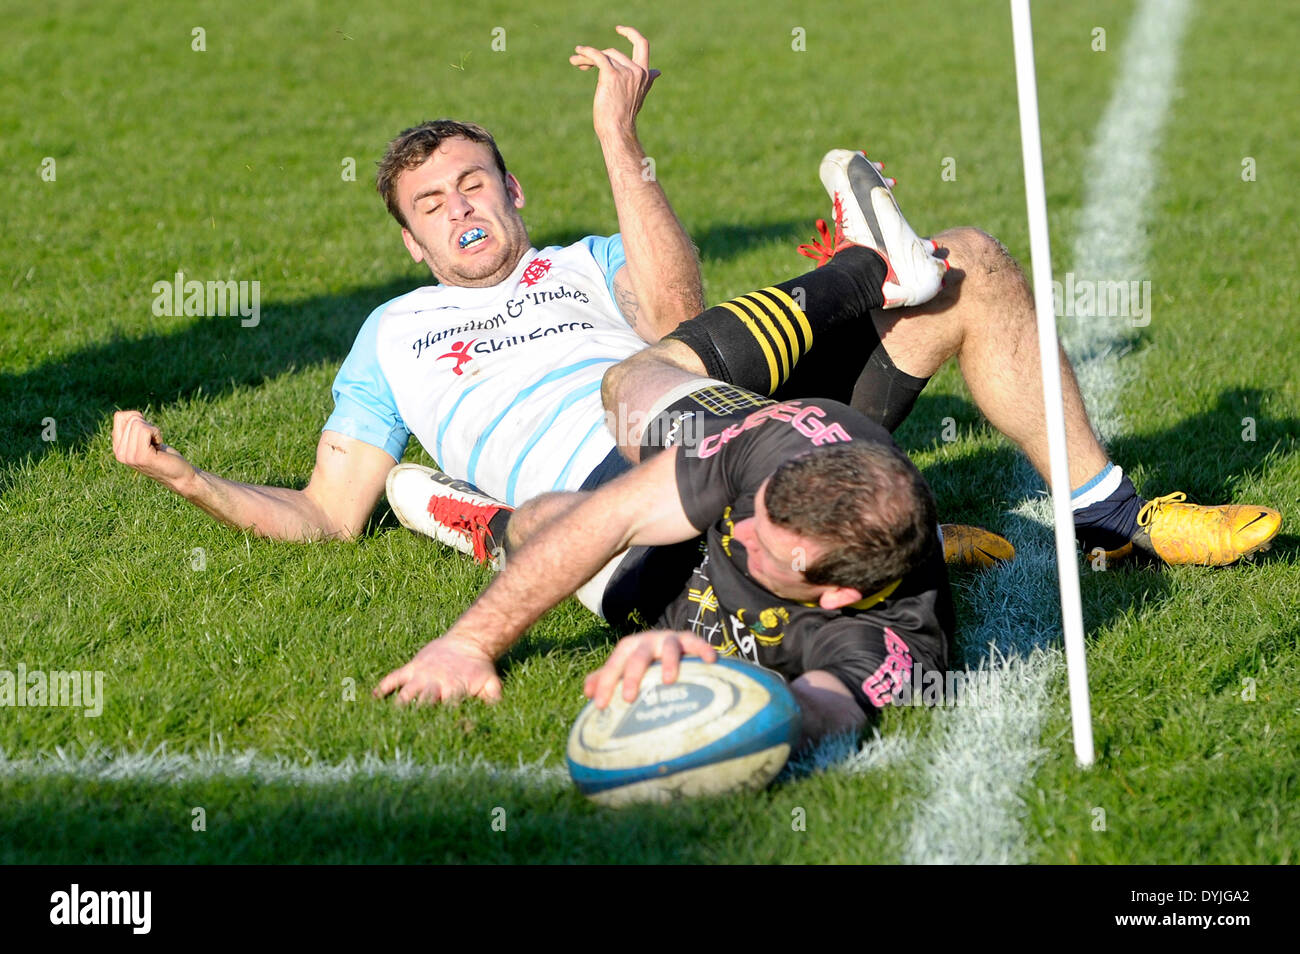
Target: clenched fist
x,y
139,445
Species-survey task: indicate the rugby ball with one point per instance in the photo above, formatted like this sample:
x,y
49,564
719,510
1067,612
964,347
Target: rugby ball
x,y
719,727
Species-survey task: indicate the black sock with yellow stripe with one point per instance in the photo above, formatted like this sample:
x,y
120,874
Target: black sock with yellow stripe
x,y
755,341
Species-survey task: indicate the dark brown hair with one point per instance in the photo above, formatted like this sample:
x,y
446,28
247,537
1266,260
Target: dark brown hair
x,y
415,145
866,502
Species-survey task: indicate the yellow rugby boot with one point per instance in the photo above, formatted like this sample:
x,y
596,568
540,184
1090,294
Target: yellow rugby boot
x,y
974,548
1183,533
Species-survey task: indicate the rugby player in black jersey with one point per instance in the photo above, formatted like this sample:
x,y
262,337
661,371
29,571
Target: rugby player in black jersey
x,y
821,557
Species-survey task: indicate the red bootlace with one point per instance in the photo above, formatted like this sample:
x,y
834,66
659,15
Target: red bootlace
x,y
467,518
823,251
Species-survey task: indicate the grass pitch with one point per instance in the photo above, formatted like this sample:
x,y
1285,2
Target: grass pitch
x,y
237,723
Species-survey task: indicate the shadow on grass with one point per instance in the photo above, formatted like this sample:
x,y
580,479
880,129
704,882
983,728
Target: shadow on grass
x,y
723,241
1284,548
211,357
380,820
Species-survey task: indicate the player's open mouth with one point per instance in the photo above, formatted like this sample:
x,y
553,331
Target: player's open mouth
x,y
472,237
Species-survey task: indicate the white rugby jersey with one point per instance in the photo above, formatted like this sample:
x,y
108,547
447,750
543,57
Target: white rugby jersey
x,y
501,385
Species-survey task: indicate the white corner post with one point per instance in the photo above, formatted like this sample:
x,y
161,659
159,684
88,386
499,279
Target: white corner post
x,y
1040,248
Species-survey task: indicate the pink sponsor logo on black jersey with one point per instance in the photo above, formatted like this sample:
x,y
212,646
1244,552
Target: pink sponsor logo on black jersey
x,y
895,671
806,420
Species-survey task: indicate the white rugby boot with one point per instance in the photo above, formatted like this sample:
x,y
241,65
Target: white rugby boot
x,y
866,214
453,512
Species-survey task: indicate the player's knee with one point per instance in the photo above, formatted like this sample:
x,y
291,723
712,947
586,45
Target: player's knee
x,y
619,379
627,383
615,379
976,253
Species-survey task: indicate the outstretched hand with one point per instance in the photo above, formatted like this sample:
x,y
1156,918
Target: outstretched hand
x,y
446,670
623,84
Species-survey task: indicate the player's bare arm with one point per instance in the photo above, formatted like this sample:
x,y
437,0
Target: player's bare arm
x,y
660,286
345,485
641,507
827,705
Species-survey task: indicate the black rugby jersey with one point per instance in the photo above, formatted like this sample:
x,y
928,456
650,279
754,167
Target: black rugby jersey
x,y
873,647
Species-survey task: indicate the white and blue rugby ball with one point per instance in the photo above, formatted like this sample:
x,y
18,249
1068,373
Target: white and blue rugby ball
x,y
720,727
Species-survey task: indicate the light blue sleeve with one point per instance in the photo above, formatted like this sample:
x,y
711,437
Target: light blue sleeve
x,y
608,253
364,406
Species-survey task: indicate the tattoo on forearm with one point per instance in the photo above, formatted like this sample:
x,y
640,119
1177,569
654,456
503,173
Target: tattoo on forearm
x,y
629,304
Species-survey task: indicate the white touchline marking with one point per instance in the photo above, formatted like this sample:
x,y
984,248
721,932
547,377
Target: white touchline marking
x,y
973,812
165,767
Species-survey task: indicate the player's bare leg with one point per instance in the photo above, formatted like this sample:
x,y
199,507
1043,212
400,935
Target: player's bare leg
x,y
631,388
984,317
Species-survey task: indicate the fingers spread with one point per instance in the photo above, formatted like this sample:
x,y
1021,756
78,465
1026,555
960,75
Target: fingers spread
x,y
593,55
392,681
670,655
621,58
636,668
608,675
640,45
701,647
420,692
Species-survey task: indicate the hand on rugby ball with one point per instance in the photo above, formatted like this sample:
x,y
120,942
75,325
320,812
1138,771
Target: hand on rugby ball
x,y
633,656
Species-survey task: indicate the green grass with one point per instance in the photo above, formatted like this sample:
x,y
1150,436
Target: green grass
x,y
227,163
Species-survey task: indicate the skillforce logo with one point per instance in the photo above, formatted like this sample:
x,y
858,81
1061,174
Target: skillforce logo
x,y
33,688
462,352
514,308
75,906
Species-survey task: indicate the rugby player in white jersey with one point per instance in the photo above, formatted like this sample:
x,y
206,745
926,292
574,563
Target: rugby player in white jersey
x,y
552,322
497,370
